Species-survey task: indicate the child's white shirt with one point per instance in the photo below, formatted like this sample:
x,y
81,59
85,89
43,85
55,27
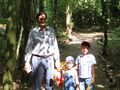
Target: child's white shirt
x,y
85,63
72,72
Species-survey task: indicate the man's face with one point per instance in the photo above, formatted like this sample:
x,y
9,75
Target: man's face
x,y
42,20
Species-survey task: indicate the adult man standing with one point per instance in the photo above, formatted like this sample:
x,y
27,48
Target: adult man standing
x,y
41,51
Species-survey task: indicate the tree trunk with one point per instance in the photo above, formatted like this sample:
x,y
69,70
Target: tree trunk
x,y
26,26
11,56
54,14
105,27
12,26
26,17
69,25
41,5
104,50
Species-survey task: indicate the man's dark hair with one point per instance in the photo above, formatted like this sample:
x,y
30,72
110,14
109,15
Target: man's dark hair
x,y
40,13
85,44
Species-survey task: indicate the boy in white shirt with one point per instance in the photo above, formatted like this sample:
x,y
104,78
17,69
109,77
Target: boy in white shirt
x,y
86,67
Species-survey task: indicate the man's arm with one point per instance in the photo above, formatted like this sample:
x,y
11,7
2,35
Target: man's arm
x,y
28,54
29,48
56,54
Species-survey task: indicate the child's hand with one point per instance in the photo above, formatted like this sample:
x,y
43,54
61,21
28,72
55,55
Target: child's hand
x,y
92,81
77,87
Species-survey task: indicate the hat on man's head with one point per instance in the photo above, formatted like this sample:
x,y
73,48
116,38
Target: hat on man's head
x,y
69,59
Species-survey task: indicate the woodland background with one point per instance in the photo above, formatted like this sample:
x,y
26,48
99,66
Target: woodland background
x,y
17,17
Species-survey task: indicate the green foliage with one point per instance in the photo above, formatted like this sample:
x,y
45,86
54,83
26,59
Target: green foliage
x,y
3,8
3,21
114,38
90,5
61,8
119,5
2,40
61,37
114,46
48,9
98,7
87,13
2,46
7,81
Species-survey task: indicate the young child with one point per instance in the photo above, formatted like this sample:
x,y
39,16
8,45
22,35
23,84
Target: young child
x,y
70,75
86,67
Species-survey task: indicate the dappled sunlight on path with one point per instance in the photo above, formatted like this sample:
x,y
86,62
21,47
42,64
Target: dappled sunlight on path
x,y
79,37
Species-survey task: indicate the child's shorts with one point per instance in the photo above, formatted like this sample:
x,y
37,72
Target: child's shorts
x,y
84,83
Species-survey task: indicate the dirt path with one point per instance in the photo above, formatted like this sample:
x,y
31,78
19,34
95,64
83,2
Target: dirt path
x,y
74,47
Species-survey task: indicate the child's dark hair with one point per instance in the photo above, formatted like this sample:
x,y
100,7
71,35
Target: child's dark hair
x,y
85,44
40,13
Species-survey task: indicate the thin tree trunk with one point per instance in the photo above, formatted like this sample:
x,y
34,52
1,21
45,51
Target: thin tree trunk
x,y
11,57
54,6
26,25
105,27
11,44
69,25
41,5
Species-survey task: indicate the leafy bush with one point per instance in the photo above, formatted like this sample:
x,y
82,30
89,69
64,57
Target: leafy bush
x,y
61,37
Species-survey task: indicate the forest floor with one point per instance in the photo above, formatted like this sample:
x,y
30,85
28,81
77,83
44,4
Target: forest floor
x,y
73,48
